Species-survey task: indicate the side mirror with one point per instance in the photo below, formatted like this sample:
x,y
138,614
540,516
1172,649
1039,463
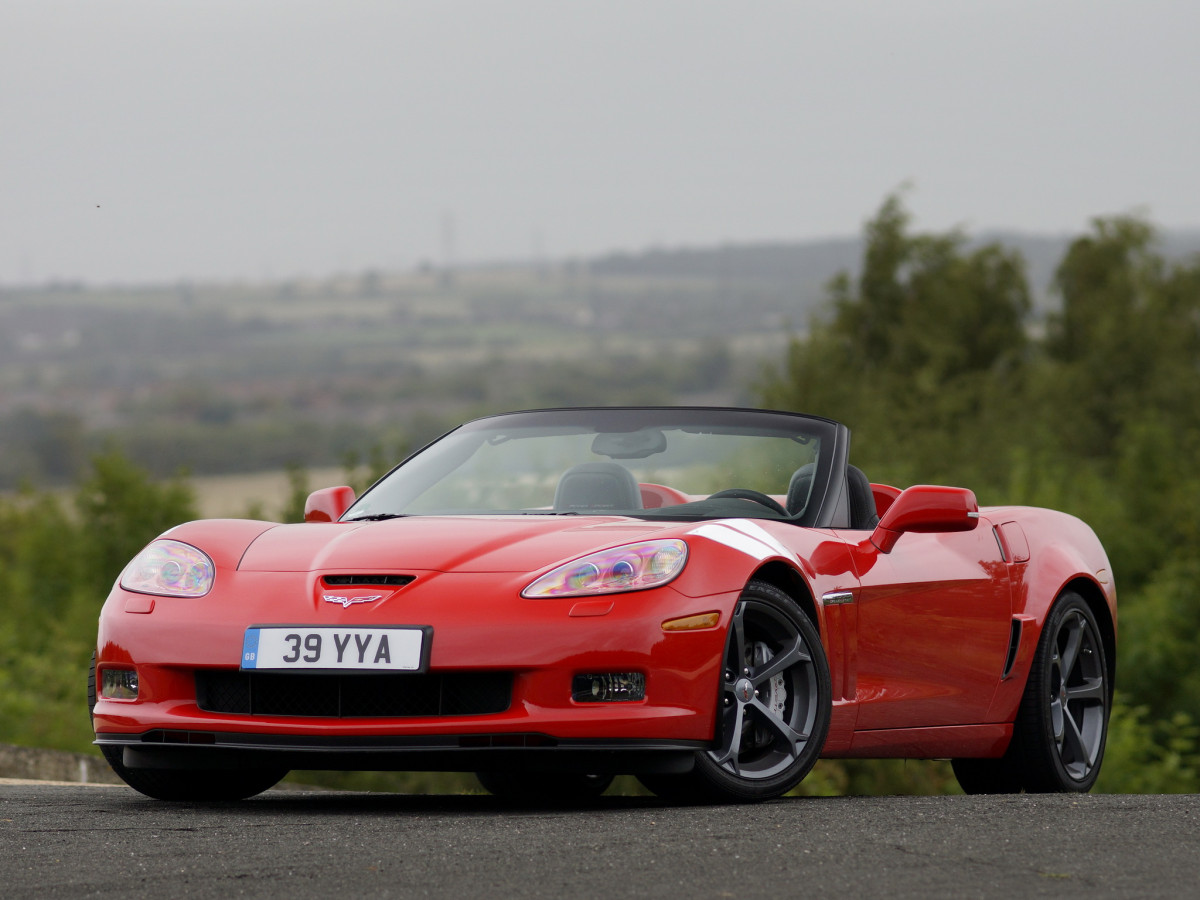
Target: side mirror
x,y
328,504
928,509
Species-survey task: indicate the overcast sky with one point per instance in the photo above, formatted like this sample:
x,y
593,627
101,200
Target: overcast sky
x,y
143,140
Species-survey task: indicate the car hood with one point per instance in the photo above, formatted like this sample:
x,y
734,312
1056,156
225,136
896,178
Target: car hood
x,y
441,544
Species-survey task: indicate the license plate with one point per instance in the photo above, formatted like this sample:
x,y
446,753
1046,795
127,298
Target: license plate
x,y
294,647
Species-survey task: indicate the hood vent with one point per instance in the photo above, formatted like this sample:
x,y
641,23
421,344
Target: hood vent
x,y
367,580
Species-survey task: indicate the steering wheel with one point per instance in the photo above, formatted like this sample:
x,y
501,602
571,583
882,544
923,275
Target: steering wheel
x,y
756,496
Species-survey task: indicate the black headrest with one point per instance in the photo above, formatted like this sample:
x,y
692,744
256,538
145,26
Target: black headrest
x,y
598,486
799,488
862,500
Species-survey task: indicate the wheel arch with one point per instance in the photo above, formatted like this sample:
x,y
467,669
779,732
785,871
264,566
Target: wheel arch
x,y
1094,597
779,574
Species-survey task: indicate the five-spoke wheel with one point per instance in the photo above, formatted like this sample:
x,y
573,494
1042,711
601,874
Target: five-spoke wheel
x,y
1061,727
1064,718
774,706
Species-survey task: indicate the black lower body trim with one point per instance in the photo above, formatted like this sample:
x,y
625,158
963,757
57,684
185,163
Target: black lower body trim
x,y
168,749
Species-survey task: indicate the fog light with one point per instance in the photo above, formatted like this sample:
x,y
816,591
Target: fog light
x,y
119,684
609,687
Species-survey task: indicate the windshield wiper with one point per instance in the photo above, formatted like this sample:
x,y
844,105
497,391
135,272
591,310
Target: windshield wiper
x,y
376,517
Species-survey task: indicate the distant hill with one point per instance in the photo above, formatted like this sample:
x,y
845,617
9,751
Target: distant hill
x,y
774,263
245,377
808,266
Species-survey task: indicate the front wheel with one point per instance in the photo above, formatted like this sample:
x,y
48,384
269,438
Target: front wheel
x,y
194,785
773,709
184,784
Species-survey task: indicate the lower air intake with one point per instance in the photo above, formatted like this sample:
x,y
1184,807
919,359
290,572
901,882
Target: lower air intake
x,y
354,696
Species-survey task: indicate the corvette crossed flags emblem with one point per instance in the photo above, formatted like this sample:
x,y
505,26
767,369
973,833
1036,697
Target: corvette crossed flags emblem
x,y
346,601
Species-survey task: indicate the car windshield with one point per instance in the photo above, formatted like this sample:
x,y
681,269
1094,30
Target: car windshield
x,y
648,463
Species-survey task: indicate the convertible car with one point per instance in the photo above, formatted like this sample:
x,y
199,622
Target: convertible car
x,y
708,599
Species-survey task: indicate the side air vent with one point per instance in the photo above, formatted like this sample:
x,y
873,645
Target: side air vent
x,y
367,580
1014,641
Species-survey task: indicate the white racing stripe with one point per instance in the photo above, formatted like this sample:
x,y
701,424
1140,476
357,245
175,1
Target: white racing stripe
x,y
745,536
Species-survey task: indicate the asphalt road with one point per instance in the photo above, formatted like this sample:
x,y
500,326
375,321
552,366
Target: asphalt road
x,y
101,841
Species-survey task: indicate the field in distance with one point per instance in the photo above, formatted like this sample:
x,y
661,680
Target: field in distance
x,y
233,496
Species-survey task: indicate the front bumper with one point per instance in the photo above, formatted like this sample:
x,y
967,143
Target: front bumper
x,y
481,630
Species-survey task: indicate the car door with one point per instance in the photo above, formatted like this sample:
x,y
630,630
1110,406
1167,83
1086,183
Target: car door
x,y
933,618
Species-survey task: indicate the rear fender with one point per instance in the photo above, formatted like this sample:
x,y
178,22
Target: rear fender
x,y
1064,555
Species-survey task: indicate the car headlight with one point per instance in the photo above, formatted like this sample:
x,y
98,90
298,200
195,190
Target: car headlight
x,y
169,569
633,567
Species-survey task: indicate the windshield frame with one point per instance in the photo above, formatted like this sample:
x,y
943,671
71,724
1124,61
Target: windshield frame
x,y
827,493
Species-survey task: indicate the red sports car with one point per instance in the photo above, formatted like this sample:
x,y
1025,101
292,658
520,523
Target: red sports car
x,y
709,599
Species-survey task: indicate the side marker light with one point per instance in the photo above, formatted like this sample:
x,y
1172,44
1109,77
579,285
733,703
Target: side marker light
x,y
693,623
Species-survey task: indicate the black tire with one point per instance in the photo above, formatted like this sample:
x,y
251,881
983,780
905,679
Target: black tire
x,y
185,784
194,785
773,709
544,787
987,776
91,688
1062,725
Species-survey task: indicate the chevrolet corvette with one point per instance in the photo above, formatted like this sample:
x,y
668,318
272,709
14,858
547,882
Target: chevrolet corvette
x,y
708,599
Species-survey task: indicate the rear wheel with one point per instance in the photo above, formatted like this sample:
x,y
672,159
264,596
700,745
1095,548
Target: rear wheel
x,y
1062,724
773,706
544,787
987,776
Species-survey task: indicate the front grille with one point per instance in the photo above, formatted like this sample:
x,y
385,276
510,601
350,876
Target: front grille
x,y
353,696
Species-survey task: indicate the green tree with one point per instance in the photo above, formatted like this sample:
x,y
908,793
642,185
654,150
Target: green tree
x,y
56,567
927,356
1127,333
121,509
923,354
1122,384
